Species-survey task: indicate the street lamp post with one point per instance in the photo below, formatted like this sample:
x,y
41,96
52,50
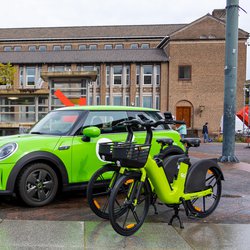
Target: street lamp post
x,y
231,57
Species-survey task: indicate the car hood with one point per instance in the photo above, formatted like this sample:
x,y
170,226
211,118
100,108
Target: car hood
x,y
31,140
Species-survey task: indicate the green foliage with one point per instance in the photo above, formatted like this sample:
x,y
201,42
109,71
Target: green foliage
x,y
7,72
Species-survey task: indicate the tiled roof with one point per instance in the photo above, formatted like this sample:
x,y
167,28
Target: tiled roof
x,y
88,32
89,56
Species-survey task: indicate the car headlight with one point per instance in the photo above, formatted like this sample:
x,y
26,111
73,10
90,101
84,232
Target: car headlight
x,y
7,150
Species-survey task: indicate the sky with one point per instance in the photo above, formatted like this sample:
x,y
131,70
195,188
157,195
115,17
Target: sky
x,y
54,13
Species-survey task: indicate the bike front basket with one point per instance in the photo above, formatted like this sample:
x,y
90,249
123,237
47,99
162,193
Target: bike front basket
x,y
131,155
106,148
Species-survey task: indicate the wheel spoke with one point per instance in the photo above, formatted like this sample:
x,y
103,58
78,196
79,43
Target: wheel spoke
x,y
125,219
41,195
42,175
100,194
135,216
105,205
48,185
32,191
31,179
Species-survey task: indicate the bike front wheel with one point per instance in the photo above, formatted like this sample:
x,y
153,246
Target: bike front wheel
x,y
133,197
204,206
99,189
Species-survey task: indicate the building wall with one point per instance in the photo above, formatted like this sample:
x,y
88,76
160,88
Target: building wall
x,y
206,87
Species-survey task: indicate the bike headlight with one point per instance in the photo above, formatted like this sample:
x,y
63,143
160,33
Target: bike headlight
x,y
7,150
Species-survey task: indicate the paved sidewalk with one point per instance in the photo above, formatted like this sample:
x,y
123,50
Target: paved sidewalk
x,y
16,234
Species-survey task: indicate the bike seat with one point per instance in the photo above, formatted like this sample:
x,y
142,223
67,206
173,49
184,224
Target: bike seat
x,y
165,141
191,142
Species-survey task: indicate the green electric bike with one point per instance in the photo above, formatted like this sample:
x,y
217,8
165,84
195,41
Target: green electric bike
x,y
196,186
104,179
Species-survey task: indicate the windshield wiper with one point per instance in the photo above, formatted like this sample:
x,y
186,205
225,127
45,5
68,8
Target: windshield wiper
x,y
36,132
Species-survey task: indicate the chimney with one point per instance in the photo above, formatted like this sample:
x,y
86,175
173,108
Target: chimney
x,y
220,14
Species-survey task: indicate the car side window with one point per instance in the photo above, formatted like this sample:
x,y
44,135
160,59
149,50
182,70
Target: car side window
x,y
149,115
107,121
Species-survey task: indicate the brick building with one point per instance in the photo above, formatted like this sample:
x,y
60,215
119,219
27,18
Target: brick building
x,y
175,67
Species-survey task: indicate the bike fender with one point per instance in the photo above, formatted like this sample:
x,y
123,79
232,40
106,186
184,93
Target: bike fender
x,y
196,176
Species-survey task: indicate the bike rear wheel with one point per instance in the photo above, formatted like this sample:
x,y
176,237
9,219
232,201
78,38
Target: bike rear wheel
x,y
133,197
99,189
204,206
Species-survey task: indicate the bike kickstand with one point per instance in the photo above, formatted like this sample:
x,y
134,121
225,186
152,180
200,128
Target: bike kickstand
x,y
176,215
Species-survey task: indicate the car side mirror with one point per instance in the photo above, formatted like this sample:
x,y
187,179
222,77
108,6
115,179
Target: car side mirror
x,y
90,132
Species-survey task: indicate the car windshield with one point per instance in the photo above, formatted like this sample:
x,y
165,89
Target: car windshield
x,y
56,122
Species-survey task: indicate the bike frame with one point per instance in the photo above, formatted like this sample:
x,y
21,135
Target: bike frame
x,y
168,193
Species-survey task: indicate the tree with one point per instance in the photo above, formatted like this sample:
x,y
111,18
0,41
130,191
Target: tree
x,y
7,72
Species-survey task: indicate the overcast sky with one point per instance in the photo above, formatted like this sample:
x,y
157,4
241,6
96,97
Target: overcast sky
x,y
51,13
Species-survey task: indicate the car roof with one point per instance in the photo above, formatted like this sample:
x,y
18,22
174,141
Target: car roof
x,y
108,108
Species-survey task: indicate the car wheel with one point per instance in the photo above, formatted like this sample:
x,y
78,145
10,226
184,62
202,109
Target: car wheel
x,y
37,185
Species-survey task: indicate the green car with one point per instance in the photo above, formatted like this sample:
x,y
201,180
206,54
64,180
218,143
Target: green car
x,y
55,155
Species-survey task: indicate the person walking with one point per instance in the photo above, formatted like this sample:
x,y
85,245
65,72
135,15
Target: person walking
x,y
182,130
205,132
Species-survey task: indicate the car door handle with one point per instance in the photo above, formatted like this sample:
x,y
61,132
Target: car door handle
x,y
64,147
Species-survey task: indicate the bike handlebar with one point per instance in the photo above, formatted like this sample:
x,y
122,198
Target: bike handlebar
x,y
149,123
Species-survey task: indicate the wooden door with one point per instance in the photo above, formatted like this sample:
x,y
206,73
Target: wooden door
x,y
184,113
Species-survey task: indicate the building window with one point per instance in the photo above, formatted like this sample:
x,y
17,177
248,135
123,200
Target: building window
x,y
82,47
98,100
127,100
7,48
90,100
137,101
137,74
67,47
108,46
17,48
184,73
30,76
127,75
97,68
21,76
157,102
119,46
117,74
43,104
145,46
57,47
147,101
18,110
117,100
90,68
59,68
92,46
158,74
147,74
134,46
42,48
32,48
107,75
107,100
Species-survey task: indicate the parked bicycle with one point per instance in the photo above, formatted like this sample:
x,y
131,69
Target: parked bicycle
x,y
103,180
196,186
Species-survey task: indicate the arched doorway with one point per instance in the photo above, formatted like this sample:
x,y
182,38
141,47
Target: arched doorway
x,y
184,112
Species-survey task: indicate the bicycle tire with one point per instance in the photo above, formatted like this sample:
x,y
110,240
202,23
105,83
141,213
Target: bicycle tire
x,y
204,206
134,214
99,189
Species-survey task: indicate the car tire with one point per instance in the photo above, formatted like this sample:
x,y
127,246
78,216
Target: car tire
x,y
37,185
